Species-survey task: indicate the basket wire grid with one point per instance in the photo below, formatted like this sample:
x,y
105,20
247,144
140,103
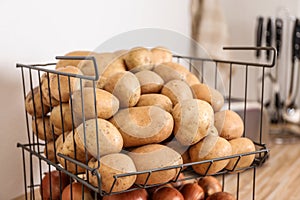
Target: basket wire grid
x,y
33,150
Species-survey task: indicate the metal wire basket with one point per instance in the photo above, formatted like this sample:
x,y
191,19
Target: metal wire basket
x,y
36,160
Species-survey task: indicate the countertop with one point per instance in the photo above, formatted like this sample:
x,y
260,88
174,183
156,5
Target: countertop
x,y
278,178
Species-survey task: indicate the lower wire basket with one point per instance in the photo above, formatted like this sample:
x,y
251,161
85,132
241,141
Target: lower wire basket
x,y
261,155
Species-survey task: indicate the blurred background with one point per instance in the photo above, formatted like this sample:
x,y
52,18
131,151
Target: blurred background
x,y
35,31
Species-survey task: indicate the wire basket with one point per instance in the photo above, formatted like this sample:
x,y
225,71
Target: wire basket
x,y
36,155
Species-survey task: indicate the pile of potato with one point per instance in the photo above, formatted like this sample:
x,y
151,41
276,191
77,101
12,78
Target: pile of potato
x,y
150,113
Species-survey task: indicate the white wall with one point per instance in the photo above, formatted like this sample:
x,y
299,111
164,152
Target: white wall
x,y
241,18
35,31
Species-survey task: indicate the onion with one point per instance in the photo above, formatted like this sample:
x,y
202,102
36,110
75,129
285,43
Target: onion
x,y
77,189
192,191
210,185
180,181
53,189
139,194
221,196
167,193
151,190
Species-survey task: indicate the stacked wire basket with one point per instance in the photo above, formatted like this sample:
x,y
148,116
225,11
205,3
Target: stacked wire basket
x,y
36,161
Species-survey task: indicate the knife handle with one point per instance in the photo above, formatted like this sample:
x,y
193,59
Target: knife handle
x,y
296,41
279,28
269,36
259,31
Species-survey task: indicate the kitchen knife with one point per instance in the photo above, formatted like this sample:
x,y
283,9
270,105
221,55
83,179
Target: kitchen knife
x,y
295,56
276,85
269,36
278,35
259,32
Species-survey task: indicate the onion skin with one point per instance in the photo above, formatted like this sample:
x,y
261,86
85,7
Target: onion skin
x,y
76,192
167,193
221,196
192,191
58,180
139,194
210,185
179,183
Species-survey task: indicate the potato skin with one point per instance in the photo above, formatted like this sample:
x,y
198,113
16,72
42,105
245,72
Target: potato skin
x,y
229,124
171,71
61,118
138,59
150,81
41,127
34,105
143,125
153,156
109,138
159,100
126,87
61,91
49,151
161,55
110,165
177,91
209,148
192,119
106,103
175,71
48,99
107,63
208,94
66,147
63,63
240,146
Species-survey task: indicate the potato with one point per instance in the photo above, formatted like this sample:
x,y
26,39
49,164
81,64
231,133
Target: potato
x,y
138,59
67,148
111,165
103,136
177,91
209,148
116,65
107,64
34,104
60,87
154,156
143,125
61,118
192,119
229,124
106,103
208,94
46,94
87,66
159,100
240,146
126,87
41,127
150,81
63,63
50,152
161,55
167,71
181,149
191,79
175,71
